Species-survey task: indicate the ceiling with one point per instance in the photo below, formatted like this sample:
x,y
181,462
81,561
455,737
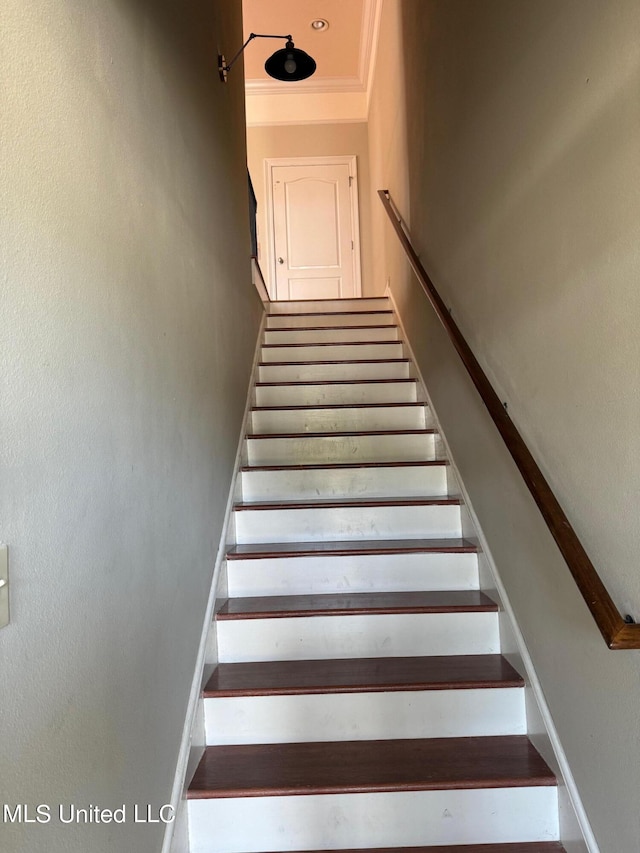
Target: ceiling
x,y
344,54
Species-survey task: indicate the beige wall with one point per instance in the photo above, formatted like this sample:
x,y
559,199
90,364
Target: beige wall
x,y
313,140
518,172
128,331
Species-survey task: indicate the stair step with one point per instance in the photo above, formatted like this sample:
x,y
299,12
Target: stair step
x,y
361,547
338,418
360,701
292,521
365,480
363,699
384,792
327,320
342,392
298,568
280,770
332,351
306,371
364,625
347,503
524,847
349,446
356,675
341,306
342,604
333,334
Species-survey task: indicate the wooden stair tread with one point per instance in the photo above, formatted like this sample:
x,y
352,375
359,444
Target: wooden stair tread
x,y
507,847
425,463
356,603
345,503
333,343
349,547
423,431
357,675
329,313
329,299
369,766
324,328
315,406
335,382
336,361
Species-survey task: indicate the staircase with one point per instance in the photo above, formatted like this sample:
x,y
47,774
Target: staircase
x,y
360,700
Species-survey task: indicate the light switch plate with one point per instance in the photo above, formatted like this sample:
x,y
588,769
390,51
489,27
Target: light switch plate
x,y
4,586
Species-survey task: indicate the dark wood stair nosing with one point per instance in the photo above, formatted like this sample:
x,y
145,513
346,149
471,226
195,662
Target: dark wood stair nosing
x,y
334,361
347,503
333,344
354,604
319,406
329,299
327,328
495,847
330,313
351,433
298,382
379,547
427,463
350,767
362,675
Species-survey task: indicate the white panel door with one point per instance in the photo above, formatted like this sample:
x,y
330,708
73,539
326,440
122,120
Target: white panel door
x,y
314,232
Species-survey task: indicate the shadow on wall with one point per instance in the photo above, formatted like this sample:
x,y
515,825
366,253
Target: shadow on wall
x,y
520,151
193,82
522,161
504,191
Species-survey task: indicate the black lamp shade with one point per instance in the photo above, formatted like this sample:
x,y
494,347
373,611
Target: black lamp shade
x,y
290,63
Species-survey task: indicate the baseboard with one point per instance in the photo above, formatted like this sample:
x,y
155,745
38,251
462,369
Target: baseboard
x,y
176,833
572,798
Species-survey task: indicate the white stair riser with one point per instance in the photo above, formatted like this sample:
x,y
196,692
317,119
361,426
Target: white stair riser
x,y
328,305
334,352
323,321
349,392
362,636
308,483
396,819
326,336
318,524
365,716
309,450
349,370
355,573
339,420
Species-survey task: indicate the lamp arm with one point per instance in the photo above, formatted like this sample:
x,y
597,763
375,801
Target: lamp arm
x,y
253,36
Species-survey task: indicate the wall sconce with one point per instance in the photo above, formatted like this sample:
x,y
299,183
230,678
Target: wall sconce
x,y
288,63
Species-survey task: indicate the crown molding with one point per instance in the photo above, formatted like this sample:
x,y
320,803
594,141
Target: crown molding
x,y
371,14
288,123
256,88
370,26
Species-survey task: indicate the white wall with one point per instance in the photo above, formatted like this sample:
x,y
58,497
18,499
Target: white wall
x,y
313,140
508,135
128,329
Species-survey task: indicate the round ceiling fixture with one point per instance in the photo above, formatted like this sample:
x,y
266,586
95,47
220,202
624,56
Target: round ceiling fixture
x,y
319,25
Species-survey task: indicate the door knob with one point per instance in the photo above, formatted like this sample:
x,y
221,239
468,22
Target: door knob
x,y
280,260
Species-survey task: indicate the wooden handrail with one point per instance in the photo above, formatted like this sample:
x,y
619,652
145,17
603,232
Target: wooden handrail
x,y
617,632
